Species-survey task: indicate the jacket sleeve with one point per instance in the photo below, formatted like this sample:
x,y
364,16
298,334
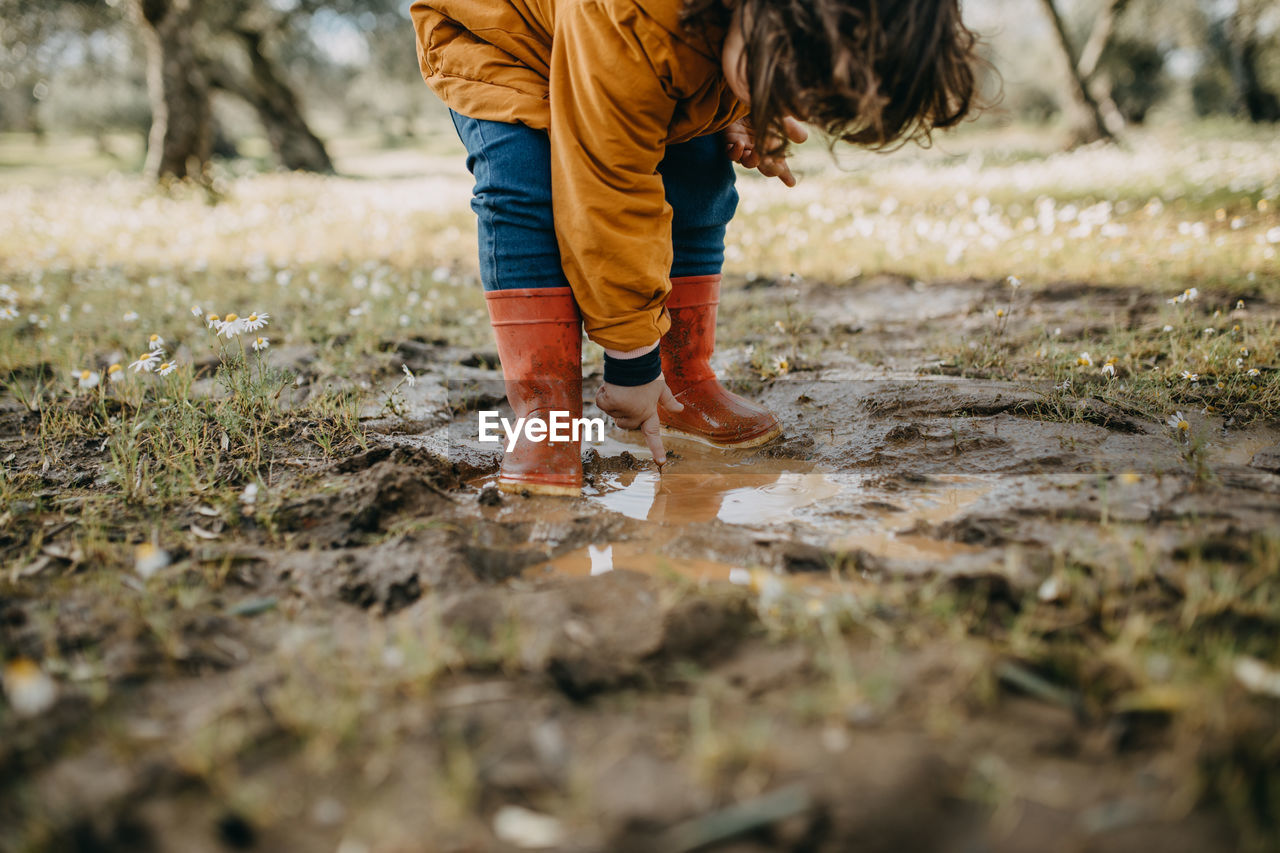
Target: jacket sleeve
x,y
610,115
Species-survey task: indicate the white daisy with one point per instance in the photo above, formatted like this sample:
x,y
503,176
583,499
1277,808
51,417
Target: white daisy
x,y
115,373
196,312
260,343
211,320
86,378
256,321
149,559
130,316
8,312
29,690
1084,360
156,343
1190,377
166,368
1253,371
1179,422
230,326
146,362
408,375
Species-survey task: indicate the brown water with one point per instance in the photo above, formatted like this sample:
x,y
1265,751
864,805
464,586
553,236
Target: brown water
x,y
778,499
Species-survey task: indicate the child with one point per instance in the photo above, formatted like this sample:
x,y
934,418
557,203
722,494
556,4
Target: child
x,y
601,135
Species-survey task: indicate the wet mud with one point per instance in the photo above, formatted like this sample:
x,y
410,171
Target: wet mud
x,y
751,650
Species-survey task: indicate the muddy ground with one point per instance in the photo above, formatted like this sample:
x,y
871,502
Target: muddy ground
x,y
944,612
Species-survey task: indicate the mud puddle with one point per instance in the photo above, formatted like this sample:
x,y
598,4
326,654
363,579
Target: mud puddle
x,y
763,499
701,484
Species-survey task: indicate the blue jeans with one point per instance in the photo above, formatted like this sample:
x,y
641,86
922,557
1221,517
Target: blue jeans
x,y
512,198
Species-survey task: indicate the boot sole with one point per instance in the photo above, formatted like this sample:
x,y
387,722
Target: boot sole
x,y
758,441
518,487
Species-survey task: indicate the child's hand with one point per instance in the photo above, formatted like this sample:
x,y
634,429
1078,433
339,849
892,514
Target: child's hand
x,y
636,407
740,142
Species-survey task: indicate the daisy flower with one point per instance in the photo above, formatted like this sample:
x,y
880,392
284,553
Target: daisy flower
x,y
155,342
1013,281
196,312
130,316
260,343
1084,360
230,326
29,690
8,312
1179,422
1253,371
86,378
115,373
1190,377
146,362
1168,328
408,375
149,559
166,368
211,320
256,321
1239,304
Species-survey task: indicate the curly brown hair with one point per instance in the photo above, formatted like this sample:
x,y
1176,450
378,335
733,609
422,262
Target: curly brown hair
x,y
876,73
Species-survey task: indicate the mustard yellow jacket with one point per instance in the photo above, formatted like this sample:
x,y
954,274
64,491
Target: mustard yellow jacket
x,y
614,82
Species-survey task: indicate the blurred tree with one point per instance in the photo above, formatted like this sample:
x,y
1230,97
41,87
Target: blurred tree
x,y
248,25
1089,64
1132,71
1088,123
181,140
1242,35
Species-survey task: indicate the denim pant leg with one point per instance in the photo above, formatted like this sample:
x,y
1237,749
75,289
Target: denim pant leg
x,y
512,200
698,177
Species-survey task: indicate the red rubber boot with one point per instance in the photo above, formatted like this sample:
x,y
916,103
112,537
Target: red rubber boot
x,y
539,335
711,414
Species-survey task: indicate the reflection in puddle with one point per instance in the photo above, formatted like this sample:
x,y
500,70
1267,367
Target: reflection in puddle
x,y
741,496
704,484
841,511
882,523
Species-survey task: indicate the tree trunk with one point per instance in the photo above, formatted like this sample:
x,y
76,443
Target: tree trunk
x,y
1260,104
277,106
1091,56
1087,119
181,113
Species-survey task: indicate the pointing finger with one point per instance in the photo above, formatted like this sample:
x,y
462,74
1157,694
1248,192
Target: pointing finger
x,y
653,437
